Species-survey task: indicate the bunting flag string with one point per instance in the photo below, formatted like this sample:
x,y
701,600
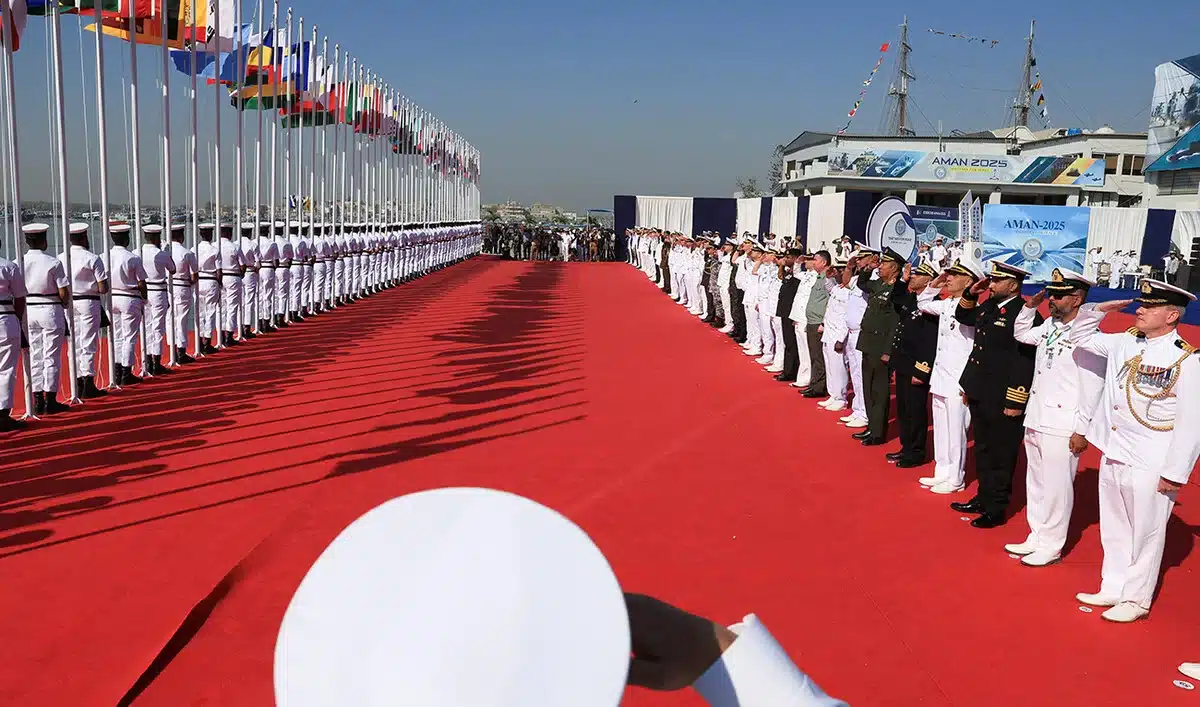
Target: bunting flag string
x,y
1036,87
966,37
862,94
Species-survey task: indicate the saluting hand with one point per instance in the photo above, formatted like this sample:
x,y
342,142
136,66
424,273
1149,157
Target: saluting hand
x,y
1036,301
1113,305
939,281
980,285
907,271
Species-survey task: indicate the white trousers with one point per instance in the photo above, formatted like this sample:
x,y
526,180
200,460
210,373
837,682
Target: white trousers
x,y
127,324
854,359
156,321
250,299
86,335
283,280
837,380
780,349
727,306
1133,531
295,293
319,282
306,286
183,313
768,333
231,302
46,332
209,295
1049,489
339,277
10,356
677,289
753,334
951,418
266,293
804,372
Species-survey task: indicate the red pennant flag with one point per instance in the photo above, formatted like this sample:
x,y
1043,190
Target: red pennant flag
x,y
883,49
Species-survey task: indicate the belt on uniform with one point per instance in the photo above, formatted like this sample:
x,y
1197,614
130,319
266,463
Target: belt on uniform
x,y
181,283
82,298
125,293
266,267
208,277
4,307
227,273
156,286
43,301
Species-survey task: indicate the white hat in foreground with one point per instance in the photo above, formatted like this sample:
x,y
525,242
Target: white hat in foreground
x,y
456,597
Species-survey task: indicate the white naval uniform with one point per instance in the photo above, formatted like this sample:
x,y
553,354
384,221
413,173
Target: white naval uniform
x,y
748,282
856,307
232,264
283,275
158,267
951,416
767,279
208,262
268,255
44,276
1067,383
798,318
299,253
182,284
835,332
306,274
87,272
1133,513
249,246
338,248
126,272
322,254
724,275
12,286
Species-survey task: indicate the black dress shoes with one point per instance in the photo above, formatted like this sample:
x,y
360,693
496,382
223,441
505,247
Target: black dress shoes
x,y
861,435
873,441
782,378
910,463
815,394
989,520
895,456
972,506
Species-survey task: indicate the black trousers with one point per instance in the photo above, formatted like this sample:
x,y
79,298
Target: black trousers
x,y
912,416
739,313
997,445
816,382
791,350
877,379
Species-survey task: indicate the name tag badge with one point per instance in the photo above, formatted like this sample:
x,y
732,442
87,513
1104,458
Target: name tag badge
x,y
1001,322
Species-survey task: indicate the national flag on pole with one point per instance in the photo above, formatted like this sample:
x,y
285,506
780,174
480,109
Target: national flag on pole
x,y
148,29
15,15
213,67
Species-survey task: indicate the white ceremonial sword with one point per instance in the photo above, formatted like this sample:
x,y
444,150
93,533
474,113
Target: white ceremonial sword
x,y
458,597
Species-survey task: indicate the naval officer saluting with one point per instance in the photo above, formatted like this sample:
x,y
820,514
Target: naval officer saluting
x,y
1148,428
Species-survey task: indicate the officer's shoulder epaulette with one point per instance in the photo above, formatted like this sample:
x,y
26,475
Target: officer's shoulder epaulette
x,y
1134,331
1183,344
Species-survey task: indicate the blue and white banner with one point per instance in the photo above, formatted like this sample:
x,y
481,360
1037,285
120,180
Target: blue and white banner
x,y
1173,140
1036,238
934,222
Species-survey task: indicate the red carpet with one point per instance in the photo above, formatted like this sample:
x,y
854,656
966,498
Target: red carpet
x,y
149,542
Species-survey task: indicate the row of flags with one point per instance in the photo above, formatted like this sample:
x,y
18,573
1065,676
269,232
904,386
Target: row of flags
x,y
266,71
862,94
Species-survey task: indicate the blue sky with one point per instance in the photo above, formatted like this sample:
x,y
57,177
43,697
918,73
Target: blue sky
x,y
547,90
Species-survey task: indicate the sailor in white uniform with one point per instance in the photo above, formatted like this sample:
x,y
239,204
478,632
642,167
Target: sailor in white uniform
x,y
856,306
951,416
89,281
283,274
747,282
322,260
233,267
208,263
128,278
183,284
48,289
268,261
1148,428
159,267
833,336
249,313
1067,383
12,313
798,318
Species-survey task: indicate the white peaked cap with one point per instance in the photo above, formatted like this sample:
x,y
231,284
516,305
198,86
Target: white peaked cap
x,y
77,228
31,228
207,225
294,224
279,224
246,226
119,228
152,228
453,598
178,226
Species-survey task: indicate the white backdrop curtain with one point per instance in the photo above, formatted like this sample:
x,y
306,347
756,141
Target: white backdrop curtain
x,y
669,213
826,220
783,216
749,211
1116,229
1185,232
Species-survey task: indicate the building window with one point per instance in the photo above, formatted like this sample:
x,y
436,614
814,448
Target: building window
x,y
1112,163
1134,164
1178,182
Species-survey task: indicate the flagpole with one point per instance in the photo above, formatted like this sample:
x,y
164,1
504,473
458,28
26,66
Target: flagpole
x,y
194,161
339,186
312,173
287,168
240,177
270,304
103,145
340,149
217,218
60,133
258,161
10,98
326,235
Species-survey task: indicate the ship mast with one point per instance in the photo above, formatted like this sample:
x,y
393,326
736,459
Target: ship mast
x,y
1022,103
898,123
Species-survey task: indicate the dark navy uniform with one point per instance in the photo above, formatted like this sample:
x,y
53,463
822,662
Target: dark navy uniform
x,y
914,348
997,377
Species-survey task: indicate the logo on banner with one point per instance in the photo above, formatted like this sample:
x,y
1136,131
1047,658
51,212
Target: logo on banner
x,y
891,226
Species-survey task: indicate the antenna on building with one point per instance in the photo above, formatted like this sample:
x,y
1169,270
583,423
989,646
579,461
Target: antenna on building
x,y
1023,101
898,117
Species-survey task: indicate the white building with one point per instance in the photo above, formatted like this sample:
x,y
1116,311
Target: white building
x,y
1007,166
